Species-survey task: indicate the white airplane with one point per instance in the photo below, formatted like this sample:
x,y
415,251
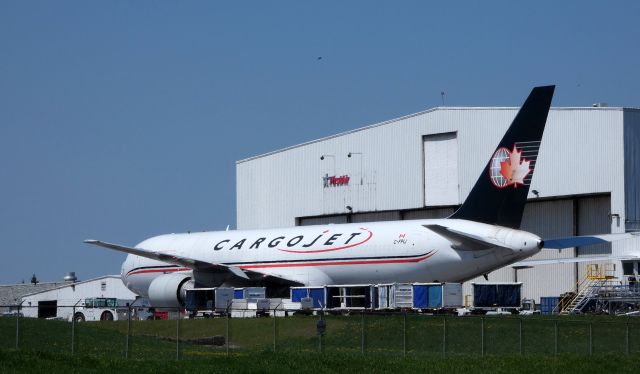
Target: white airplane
x,y
480,237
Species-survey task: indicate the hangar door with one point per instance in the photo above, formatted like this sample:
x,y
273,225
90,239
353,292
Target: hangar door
x,y
440,169
593,218
548,219
47,308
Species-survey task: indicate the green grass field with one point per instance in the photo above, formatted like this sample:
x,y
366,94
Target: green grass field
x,y
258,362
499,344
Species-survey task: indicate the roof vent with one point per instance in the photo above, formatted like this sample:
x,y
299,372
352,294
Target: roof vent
x,y
599,105
70,277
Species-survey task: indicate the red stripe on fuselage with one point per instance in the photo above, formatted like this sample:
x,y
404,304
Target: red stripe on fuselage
x,y
160,270
338,263
282,265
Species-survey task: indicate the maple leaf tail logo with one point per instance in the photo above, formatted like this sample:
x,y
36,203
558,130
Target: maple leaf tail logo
x,y
509,167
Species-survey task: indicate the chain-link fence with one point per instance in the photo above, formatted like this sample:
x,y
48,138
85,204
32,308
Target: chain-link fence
x,y
172,335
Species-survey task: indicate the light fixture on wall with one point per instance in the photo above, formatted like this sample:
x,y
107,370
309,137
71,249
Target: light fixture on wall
x,y
616,216
333,157
361,157
535,192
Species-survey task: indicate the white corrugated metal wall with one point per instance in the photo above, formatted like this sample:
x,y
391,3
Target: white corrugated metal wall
x,y
274,189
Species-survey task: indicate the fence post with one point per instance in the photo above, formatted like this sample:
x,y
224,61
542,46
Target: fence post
x,y
627,338
320,333
17,329
178,336
556,337
520,327
18,325
444,336
228,318
362,333
482,336
73,328
404,334
590,338
126,347
274,331
275,317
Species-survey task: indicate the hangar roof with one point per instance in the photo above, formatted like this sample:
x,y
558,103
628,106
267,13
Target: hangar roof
x,y
418,114
68,284
11,293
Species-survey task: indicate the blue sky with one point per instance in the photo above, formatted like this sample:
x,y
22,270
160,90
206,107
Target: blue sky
x,y
123,120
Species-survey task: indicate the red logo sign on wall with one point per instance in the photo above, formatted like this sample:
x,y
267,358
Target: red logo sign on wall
x,y
335,181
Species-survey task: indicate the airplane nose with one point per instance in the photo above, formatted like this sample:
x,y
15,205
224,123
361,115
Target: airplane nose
x,y
126,267
123,273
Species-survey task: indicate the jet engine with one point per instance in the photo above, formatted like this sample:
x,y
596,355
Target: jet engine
x,y
169,290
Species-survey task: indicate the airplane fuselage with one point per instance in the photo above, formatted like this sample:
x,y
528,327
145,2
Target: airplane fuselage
x,y
356,253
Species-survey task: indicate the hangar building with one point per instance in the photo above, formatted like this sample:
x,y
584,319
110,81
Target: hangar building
x,y
59,301
11,294
423,165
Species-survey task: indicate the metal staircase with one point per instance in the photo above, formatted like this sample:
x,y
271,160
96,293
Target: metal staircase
x,y
597,278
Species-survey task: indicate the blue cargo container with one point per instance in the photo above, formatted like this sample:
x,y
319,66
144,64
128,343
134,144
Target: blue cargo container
x,y
238,293
420,296
548,305
315,293
437,295
497,295
250,293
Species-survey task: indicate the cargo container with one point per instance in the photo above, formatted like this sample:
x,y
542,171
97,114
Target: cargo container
x,y
208,300
250,293
549,305
437,295
497,295
393,296
351,296
316,294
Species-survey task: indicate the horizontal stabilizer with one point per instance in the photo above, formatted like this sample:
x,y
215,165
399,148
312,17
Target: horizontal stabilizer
x,y
460,240
579,241
570,260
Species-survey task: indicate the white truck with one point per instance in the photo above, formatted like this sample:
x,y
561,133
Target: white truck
x,y
100,309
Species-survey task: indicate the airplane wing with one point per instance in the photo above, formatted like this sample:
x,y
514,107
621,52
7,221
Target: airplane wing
x,y
460,240
531,263
172,259
577,241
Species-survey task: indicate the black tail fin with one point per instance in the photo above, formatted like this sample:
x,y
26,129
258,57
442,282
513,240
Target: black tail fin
x,y
500,193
